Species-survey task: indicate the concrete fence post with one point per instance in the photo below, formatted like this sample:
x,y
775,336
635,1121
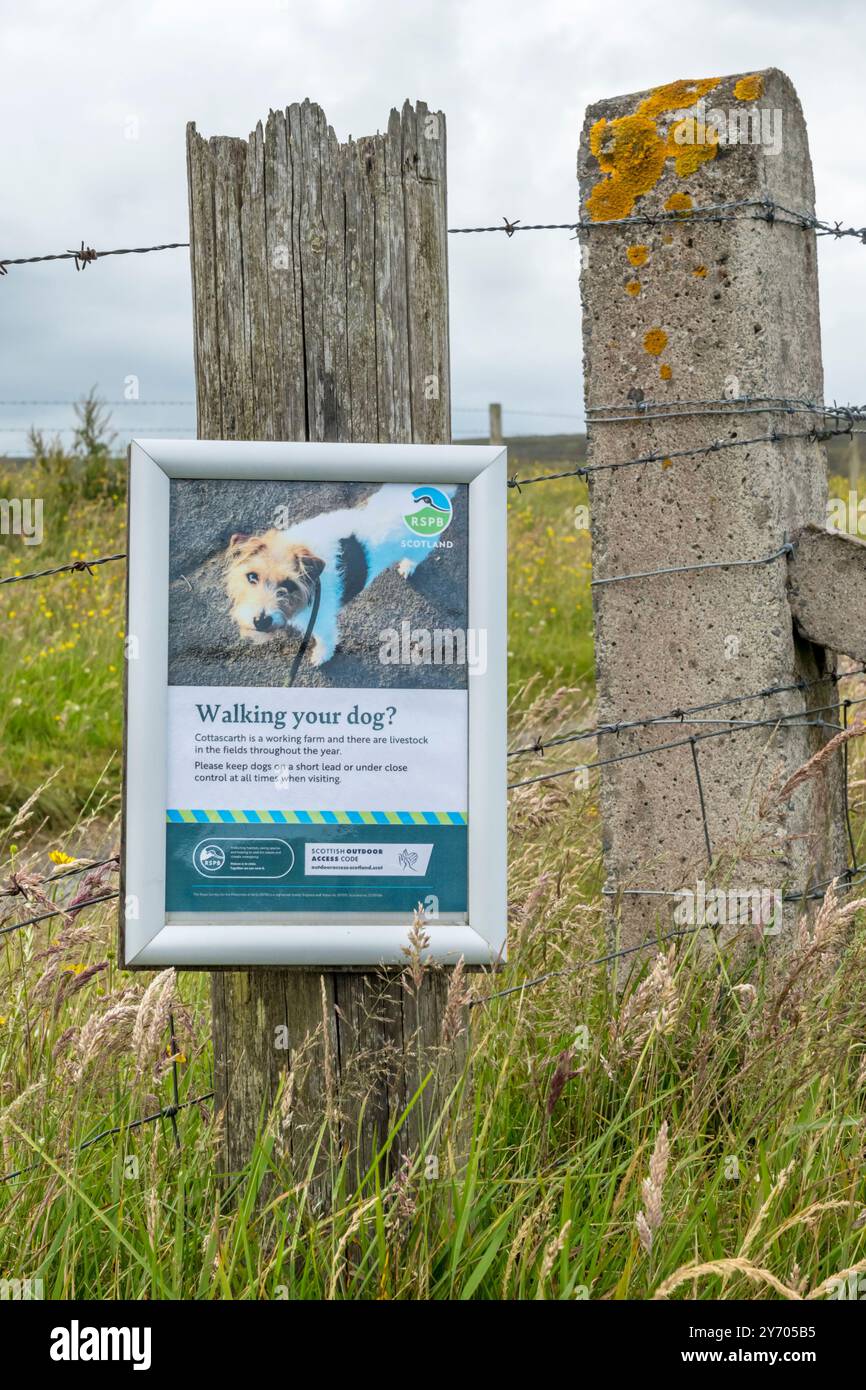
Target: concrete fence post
x,y
720,309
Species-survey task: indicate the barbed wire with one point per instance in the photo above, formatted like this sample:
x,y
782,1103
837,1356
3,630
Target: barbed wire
x,y
86,255
168,1112
660,456
135,402
854,876
643,411
78,566
582,471
72,908
72,429
748,209
583,965
734,405
16,888
751,209
681,714
676,743
816,892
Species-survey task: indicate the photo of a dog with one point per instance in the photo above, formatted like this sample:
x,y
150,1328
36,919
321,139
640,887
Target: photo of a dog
x,y
270,578
258,566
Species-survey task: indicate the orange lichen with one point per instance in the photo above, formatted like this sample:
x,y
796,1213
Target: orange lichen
x,y
700,271
665,372
637,254
749,88
678,202
655,341
676,96
632,154
691,144
633,288
667,463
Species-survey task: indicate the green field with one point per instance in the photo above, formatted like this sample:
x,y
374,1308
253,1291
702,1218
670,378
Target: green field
x,y
698,1136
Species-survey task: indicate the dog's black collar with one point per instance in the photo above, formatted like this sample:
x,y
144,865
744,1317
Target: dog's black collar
x,y
352,566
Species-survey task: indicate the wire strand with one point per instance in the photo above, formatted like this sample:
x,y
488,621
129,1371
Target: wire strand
x,y
72,908
786,549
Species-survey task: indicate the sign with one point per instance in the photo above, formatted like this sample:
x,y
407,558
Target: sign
x,y
316,692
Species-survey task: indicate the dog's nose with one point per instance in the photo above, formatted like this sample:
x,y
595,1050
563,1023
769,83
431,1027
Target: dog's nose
x,y
263,622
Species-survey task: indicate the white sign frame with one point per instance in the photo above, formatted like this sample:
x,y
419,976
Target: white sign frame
x,y
147,941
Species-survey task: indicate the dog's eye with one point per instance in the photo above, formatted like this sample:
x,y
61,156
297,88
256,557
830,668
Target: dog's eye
x,y
253,577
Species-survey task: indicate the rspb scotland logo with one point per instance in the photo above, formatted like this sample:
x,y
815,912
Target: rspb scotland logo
x,y
432,512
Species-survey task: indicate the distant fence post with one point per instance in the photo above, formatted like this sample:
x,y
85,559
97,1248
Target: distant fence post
x,y
854,461
495,424
320,293
715,309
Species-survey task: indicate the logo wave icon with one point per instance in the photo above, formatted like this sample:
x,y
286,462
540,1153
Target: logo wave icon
x,y
433,496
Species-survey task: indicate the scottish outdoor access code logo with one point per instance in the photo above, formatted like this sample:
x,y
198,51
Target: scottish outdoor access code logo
x,y
432,512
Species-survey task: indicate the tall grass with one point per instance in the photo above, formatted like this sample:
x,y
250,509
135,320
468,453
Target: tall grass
x,y
531,1183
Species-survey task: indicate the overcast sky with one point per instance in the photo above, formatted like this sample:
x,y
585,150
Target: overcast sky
x,y
513,79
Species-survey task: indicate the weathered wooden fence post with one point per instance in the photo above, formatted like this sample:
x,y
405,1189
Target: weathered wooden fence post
x,y
495,423
320,292
719,309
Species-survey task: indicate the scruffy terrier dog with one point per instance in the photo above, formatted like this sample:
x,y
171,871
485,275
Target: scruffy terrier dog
x,y
270,578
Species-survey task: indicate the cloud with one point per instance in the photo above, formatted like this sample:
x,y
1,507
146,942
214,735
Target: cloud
x,y
95,100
